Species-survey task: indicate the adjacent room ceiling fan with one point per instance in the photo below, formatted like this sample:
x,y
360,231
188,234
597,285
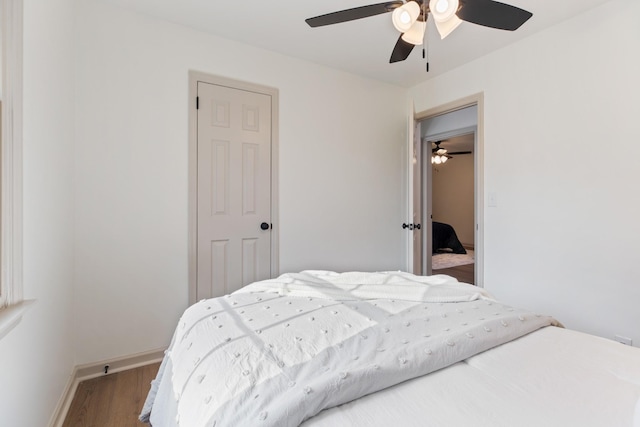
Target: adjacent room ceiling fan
x,y
410,18
440,155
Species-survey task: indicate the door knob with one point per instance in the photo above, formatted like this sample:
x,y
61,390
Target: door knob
x,y
411,226
264,226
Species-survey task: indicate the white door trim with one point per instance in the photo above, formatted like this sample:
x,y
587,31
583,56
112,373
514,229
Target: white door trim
x,y
194,78
11,285
478,100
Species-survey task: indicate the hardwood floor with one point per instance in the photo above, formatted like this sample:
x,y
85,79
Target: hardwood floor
x,y
113,400
464,273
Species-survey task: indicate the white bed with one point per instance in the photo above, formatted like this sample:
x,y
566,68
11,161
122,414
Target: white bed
x,y
443,260
376,349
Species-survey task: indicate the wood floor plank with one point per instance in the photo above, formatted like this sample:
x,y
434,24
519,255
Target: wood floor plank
x,y
464,273
113,400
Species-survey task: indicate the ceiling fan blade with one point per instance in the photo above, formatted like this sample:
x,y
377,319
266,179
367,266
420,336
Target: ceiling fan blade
x,y
353,14
493,14
455,153
401,50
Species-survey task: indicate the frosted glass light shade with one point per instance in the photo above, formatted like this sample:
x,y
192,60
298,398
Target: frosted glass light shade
x,y
444,14
415,35
445,28
404,16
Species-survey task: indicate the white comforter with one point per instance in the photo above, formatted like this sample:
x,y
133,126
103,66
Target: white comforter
x,y
280,351
553,377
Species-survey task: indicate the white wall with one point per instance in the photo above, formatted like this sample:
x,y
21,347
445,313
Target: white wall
x,y
37,356
561,154
452,196
341,171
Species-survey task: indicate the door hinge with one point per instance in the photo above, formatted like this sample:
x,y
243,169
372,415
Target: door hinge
x,y
197,102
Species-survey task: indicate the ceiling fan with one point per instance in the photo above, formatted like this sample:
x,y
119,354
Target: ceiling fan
x,y
410,18
440,155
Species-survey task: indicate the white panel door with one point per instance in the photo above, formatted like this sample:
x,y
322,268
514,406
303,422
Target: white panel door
x,y
234,189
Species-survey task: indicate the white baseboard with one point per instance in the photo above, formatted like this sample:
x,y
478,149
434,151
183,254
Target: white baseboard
x,y
97,369
93,370
58,416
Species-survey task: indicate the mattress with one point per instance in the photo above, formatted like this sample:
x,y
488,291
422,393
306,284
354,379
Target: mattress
x,y
552,377
325,348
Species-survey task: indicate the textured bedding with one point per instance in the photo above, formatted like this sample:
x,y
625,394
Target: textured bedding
x,y
553,377
278,352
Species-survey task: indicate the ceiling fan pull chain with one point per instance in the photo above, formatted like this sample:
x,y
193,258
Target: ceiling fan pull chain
x,y
425,40
426,43
424,36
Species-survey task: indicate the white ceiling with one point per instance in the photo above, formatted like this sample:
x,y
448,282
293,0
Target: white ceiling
x,y
362,47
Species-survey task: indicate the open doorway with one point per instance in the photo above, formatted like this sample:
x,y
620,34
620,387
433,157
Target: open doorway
x,y
449,194
452,203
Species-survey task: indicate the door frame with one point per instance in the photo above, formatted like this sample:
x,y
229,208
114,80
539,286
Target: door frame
x,y
194,78
415,168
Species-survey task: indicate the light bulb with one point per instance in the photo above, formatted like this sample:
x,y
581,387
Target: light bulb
x,y
441,6
405,18
443,10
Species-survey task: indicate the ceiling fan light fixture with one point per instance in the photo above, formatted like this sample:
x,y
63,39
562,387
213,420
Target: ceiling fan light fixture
x,y
403,17
415,35
439,155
